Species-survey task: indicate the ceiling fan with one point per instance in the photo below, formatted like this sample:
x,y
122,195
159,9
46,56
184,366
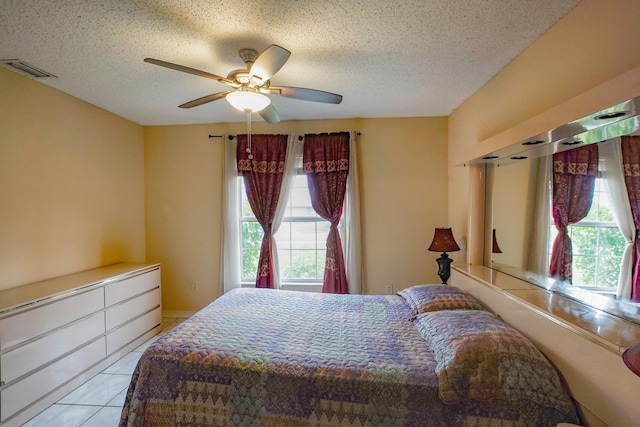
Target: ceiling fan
x,y
251,85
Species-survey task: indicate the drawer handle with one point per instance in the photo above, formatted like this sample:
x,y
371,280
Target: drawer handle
x,y
1,383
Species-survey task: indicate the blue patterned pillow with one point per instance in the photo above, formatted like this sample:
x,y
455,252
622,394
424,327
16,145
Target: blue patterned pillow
x,y
480,357
426,298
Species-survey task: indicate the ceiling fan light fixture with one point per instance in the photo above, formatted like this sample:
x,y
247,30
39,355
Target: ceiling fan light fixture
x,y
250,85
248,101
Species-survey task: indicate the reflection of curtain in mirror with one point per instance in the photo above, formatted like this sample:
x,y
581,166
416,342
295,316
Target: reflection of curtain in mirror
x,y
574,174
613,178
631,161
539,238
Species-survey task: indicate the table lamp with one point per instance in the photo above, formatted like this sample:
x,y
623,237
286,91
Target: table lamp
x,y
444,242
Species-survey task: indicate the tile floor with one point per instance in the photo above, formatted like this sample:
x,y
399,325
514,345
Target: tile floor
x,y
99,401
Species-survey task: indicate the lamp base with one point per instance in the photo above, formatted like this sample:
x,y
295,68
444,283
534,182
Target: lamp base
x,y
444,267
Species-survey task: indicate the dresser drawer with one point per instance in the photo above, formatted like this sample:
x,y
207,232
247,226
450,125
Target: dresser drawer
x,y
39,320
23,393
37,353
122,313
125,289
122,336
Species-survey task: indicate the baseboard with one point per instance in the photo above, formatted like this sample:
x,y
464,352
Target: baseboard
x,y
178,313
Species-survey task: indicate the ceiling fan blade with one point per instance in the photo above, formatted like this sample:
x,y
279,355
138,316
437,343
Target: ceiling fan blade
x,y
187,70
308,94
269,62
269,114
205,99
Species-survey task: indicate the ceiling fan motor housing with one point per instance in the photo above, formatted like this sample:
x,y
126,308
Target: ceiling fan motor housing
x,y
248,56
243,76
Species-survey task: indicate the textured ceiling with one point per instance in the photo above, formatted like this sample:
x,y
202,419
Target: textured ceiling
x,y
388,59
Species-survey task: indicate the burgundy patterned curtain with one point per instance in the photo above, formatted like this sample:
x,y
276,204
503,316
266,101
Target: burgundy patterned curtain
x,y
262,170
326,163
631,163
574,174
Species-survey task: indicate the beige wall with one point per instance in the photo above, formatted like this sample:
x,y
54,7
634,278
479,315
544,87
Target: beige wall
x,y
71,184
403,198
594,43
511,211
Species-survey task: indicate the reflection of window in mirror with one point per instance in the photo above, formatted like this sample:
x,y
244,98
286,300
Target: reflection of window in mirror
x,y
598,243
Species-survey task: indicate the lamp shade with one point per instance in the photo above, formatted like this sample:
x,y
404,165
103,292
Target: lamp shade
x,y
247,101
443,241
631,358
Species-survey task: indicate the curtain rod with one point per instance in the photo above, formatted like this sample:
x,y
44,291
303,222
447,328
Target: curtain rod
x,y
300,137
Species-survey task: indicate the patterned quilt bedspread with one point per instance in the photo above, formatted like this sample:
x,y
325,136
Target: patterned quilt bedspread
x,y
259,357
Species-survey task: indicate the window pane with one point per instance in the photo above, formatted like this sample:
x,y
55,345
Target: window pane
x,y
608,269
322,260
250,259
584,240
323,232
303,235
283,236
584,270
303,263
245,207
605,214
611,242
284,261
301,203
592,215
251,235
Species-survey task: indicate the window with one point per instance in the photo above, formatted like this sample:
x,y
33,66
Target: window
x,y
301,238
597,243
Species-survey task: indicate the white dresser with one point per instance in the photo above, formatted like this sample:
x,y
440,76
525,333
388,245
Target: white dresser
x,y
56,334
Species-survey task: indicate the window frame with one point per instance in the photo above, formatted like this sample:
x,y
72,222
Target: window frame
x,y
286,219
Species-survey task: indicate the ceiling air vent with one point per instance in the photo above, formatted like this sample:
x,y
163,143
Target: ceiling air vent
x,y
24,68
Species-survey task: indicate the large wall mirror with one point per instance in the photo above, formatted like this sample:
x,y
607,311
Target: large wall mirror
x,y
519,228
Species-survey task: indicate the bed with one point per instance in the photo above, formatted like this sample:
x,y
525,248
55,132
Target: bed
x,y
429,356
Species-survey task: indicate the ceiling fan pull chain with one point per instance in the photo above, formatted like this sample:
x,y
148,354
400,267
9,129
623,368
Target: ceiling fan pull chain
x,y
249,134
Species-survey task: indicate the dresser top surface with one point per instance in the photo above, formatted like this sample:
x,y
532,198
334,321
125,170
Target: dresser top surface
x,y
33,293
